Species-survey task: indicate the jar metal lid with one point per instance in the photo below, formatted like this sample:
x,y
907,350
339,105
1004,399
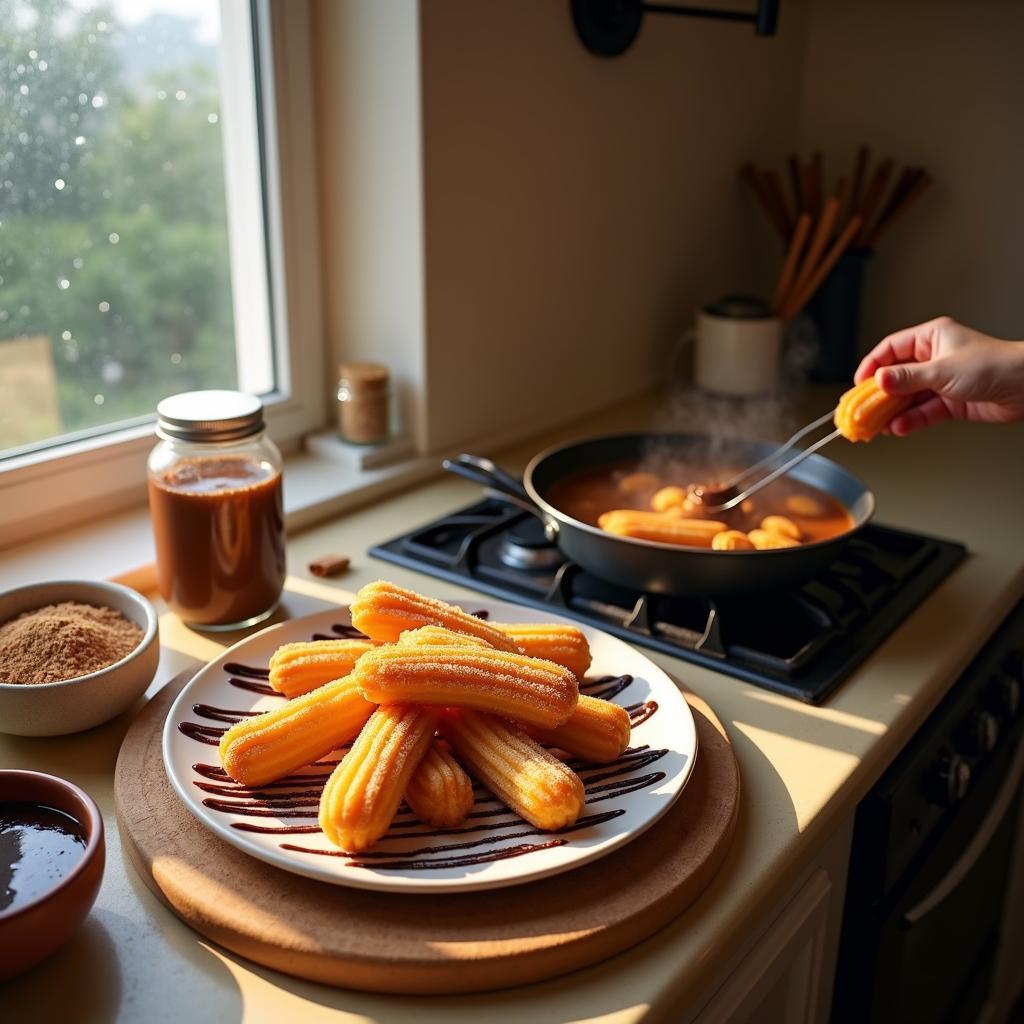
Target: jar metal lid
x,y
209,416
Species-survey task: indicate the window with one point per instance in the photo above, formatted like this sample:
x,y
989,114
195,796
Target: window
x,y
157,229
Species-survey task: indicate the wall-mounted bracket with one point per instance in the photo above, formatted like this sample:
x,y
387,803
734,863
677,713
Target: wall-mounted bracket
x,y
608,27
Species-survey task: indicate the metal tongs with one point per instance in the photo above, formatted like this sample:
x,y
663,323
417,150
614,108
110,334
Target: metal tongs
x,y
700,494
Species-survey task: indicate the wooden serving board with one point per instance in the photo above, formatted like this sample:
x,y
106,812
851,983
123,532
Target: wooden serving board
x,y
382,942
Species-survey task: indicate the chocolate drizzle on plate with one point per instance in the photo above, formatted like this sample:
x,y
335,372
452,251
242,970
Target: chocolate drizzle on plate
x,y
293,802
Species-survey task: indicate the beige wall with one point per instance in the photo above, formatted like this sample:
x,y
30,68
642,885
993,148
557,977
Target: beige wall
x,y
368,132
938,82
521,229
578,209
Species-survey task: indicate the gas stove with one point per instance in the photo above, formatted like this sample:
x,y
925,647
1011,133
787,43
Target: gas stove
x,y
802,643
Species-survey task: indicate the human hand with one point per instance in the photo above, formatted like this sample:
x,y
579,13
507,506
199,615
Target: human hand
x,y
953,372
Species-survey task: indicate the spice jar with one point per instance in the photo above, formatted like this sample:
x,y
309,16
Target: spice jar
x,y
218,517
364,403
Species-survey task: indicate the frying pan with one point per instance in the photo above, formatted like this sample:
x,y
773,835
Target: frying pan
x,y
669,568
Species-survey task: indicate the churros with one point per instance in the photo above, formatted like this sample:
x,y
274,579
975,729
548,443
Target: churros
x,y
300,667
440,793
553,641
459,675
516,769
765,540
266,747
732,540
362,794
660,526
383,612
597,730
783,526
866,409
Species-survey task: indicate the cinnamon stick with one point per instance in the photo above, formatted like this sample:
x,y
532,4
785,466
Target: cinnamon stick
x,y
822,233
801,297
796,244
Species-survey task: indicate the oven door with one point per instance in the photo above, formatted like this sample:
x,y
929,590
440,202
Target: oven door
x,y
936,941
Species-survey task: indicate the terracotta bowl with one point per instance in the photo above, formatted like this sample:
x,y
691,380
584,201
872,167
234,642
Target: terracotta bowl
x,y
53,709
32,931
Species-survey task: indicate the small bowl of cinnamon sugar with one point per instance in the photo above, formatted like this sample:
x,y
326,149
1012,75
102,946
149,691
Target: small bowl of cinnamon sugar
x,y
73,654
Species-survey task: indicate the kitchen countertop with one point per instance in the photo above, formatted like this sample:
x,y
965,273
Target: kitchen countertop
x,y
803,768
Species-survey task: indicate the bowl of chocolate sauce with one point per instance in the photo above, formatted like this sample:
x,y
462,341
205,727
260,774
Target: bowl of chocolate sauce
x,y
51,863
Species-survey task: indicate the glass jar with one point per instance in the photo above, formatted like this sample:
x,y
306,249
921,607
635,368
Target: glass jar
x,y
216,505
364,403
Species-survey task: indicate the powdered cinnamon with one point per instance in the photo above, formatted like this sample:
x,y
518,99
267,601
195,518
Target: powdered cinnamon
x,y
63,641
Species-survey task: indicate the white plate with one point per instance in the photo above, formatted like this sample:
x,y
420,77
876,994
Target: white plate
x,y
627,797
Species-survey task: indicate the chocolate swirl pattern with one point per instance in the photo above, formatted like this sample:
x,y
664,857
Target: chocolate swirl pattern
x,y
279,818
296,798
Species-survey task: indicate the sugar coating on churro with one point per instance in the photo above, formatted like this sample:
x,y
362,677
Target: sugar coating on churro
x,y
457,675
384,611
440,793
300,667
438,635
362,794
515,768
266,747
597,730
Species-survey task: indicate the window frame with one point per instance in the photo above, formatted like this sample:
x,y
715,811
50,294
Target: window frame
x,y
84,478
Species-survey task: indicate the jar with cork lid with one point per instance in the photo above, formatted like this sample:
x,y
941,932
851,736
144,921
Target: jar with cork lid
x,y
365,403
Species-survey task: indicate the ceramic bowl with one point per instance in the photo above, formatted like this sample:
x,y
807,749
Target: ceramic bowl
x,y
53,709
30,932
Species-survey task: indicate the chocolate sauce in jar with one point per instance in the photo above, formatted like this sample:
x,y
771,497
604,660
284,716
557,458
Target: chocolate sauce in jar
x,y
218,517
219,529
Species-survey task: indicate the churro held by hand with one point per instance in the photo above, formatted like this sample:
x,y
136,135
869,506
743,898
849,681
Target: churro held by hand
x,y
553,641
597,730
515,768
660,526
440,793
362,794
460,675
384,611
300,667
266,747
866,409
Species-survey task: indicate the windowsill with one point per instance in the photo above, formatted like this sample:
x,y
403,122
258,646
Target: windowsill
x,y
316,488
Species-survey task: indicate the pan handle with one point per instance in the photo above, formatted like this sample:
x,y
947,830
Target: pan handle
x,y
499,483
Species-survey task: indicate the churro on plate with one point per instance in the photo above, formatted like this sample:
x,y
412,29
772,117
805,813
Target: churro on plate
x,y
270,746
515,768
558,642
300,667
440,793
384,611
597,730
527,689
362,794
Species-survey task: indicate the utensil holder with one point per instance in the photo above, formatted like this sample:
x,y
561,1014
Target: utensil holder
x,y
835,310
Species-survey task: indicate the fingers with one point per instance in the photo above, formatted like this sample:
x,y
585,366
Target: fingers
x,y
929,412
910,378
912,344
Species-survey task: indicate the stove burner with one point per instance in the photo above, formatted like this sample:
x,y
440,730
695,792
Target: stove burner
x,y
802,642
526,546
